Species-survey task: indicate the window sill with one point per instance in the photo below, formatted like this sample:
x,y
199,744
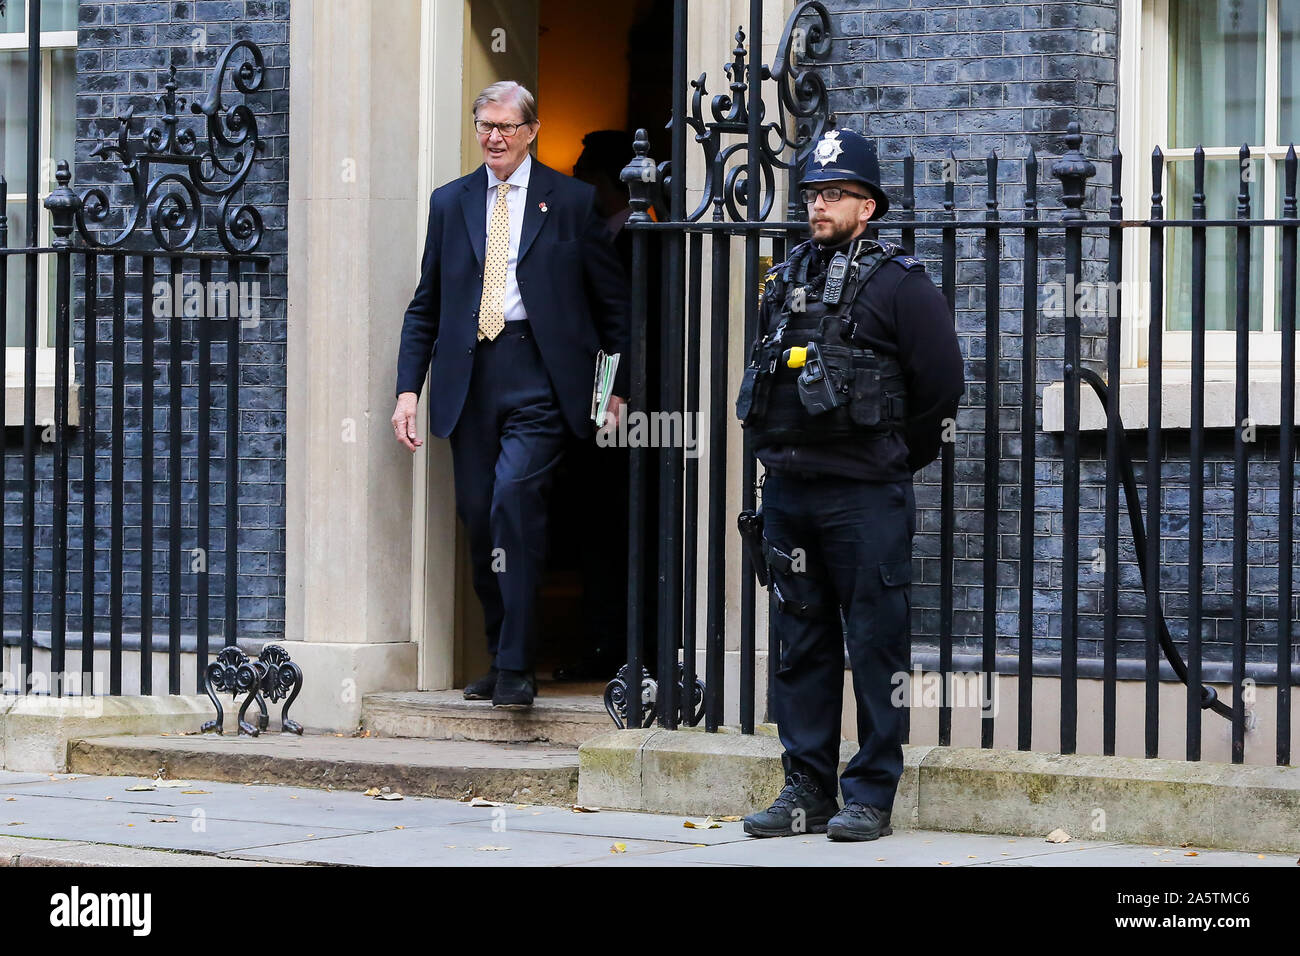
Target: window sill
x,y
1175,400
15,389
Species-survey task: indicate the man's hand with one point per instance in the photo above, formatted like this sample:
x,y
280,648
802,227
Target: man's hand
x,y
613,413
404,420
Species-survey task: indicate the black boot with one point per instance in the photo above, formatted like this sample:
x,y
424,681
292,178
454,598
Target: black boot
x,y
801,807
482,688
859,821
514,691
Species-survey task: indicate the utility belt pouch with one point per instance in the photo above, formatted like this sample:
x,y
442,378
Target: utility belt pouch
x,y
745,400
866,395
822,381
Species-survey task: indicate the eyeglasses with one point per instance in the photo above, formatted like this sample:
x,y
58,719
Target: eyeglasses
x,y
507,129
829,193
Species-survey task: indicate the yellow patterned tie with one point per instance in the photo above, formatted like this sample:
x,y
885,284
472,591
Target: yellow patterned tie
x,y
491,308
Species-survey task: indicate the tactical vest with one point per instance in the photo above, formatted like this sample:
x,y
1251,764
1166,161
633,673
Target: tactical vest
x,y
869,385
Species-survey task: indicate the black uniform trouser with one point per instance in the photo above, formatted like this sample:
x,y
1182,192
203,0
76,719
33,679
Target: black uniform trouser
x,y
850,542
505,449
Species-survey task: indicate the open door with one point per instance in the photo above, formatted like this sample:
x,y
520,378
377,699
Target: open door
x,y
586,76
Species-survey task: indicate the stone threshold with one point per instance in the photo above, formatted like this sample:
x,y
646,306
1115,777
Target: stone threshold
x,y
454,769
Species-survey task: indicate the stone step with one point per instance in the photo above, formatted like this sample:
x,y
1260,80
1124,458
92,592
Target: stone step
x,y
456,769
560,718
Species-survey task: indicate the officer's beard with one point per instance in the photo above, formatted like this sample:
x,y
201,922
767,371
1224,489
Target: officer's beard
x,y
841,236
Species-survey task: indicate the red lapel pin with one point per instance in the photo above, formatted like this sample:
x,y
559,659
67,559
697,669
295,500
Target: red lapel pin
x,y
542,206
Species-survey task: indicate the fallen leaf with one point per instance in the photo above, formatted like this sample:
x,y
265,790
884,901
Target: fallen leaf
x,y
372,792
1058,836
618,848
162,819
945,862
480,802
106,798
970,856
12,799
310,835
1191,853
1185,845
399,827
579,808
291,798
14,823
142,786
731,819
198,791
880,859
491,848
708,824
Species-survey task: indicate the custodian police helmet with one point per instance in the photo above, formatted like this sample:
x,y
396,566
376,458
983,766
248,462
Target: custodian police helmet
x,y
844,154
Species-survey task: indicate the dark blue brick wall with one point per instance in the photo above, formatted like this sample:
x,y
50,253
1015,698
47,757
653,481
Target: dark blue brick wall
x,y
124,51
932,77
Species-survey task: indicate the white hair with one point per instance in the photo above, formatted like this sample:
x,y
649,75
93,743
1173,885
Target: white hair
x,y
508,91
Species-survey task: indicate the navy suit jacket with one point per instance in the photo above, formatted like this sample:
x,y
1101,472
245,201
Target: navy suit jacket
x,y
574,290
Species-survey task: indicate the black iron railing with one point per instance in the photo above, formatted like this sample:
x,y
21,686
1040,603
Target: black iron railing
x,y
153,307
698,303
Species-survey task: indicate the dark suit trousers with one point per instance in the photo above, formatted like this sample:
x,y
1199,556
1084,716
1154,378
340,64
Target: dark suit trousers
x,y
505,449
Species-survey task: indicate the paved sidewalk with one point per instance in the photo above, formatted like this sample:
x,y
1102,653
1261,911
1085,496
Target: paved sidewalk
x,y
56,819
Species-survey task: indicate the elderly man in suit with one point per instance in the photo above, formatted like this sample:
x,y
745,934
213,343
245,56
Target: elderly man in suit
x,y
519,286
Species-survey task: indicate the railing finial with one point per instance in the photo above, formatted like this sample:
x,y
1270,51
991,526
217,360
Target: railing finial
x,y
64,206
1073,170
640,174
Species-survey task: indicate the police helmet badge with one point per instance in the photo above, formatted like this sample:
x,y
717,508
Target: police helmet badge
x,y
829,148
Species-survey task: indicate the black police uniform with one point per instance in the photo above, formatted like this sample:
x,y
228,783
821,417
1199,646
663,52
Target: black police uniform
x,y
837,500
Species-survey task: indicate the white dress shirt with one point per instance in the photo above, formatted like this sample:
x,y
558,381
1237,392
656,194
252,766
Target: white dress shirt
x,y
516,201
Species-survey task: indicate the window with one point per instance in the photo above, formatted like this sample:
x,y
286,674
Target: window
x,y
55,125
1213,73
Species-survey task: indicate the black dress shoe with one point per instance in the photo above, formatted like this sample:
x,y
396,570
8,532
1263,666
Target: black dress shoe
x,y
514,691
482,688
859,821
801,807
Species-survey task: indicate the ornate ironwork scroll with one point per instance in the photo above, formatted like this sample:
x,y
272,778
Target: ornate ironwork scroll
x,y
803,114
616,692
272,675
170,174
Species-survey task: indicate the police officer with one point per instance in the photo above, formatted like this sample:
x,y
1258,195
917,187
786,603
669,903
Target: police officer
x,y
854,371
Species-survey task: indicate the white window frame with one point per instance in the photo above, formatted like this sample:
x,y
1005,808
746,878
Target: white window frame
x,y
51,40
1144,124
